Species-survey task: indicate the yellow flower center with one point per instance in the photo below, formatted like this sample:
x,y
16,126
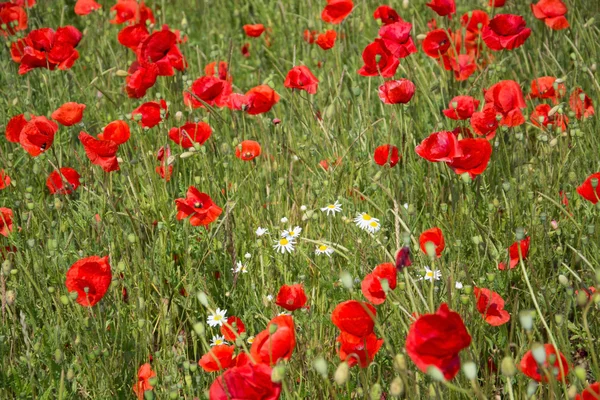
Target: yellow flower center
x,y
366,217
331,206
217,317
283,242
322,247
218,342
430,273
373,224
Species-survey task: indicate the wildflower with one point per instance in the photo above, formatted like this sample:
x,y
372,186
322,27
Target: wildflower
x,y
90,277
284,245
269,347
364,221
292,233
219,357
250,340
332,208
233,328
261,231
198,206
284,220
435,236
430,275
458,285
373,226
269,297
217,340
530,367
324,249
143,384
336,11
291,297
217,318
247,256
69,113
240,268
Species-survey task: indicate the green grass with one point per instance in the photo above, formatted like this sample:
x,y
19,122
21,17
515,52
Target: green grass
x,y
51,347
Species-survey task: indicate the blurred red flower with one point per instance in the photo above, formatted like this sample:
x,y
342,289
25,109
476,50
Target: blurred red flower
x,y
291,297
543,88
116,131
386,154
209,89
222,70
6,222
354,317
236,324
254,30
590,188
326,40
461,107
35,136
475,157
386,14
85,7
592,392
541,117
371,285
484,122
64,182
399,91
4,180
90,277
581,104
164,170
530,367
197,206
439,146
396,38
152,113
260,99
100,152
505,32
301,78
190,133
218,358
436,43
161,48
268,348
552,12
358,350
247,150
435,236
69,113
144,375
507,99
378,60
513,251
443,7
336,11
141,78
13,18
248,381
491,307
131,12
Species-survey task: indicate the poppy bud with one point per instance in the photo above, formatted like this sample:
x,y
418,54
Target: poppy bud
x,y
582,298
539,353
375,392
563,280
320,366
559,319
435,374
121,73
397,387
508,367
278,374
58,356
173,395
70,374
470,370
346,280
400,363
64,300
341,373
468,289
149,394
10,297
202,299
464,299
531,389
490,276
520,233
6,267
526,320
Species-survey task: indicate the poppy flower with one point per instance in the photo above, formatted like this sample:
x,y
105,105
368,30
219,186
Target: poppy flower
x,y
131,12
508,100
249,381
552,12
13,18
336,11
378,60
403,258
386,14
161,48
254,30
439,146
90,277
69,113
218,358
461,108
151,113
143,384
164,170
505,32
475,157
513,251
474,22
198,207
386,154
497,3
326,40
35,136
222,71
398,91
268,348
443,7
463,66
543,88
247,150
245,50
592,392
301,78
309,36
541,117
85,7
236,324
64,182
354,317
100,152
435,236
140,78
116,131
4,179
581,104
436,340
371,285
260,99
531,368
131,36
358,350
436,43
209,89
484,122
46,48
291,297
396,38
14,127
590,189
491,307
6,222
190,133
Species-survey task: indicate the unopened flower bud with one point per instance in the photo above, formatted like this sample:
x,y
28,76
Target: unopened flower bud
x,y
508,367
341,373
397,387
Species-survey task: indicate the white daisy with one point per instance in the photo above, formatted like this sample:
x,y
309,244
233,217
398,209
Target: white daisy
x,y
364,220
250,340
240,268
247,256
261,231
303,208
217,340
458,285
284,244
431,275
324,249
284,220
217,318
292,233
373,226
269,297
332,208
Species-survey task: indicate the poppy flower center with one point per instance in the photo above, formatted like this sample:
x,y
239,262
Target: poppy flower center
x,y
198,204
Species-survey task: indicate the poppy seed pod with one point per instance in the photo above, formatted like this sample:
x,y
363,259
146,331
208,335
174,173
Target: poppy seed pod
x,y
341,373
507,367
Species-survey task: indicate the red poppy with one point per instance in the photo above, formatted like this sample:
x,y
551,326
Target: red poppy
x,y
152,113
197,206
309,36
505,32
161,48
301,78
246,50
209,89
336,11
371,285
439,146
403,258
254,30
531,368
268,348
358,350
491,307
6,222
386,14
164,170
100,152
247,150
260,99
436,339
249,381
354,317
435,236
236,324
475,157
85,7
35,136
461,107
144,374
463,66
190,133
14,127
581,104
326,40
507,98
291,297
436,43
396,38
541,117
443,7
474,22
543,88
513,251
222,70
90,277
131,36
484,122
45,48
386,154
398,91
117,131
69,114
497,3
590,189
218,358
13,18
552,12
592,392
378,60
131,12
64,182
141,78
4,179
